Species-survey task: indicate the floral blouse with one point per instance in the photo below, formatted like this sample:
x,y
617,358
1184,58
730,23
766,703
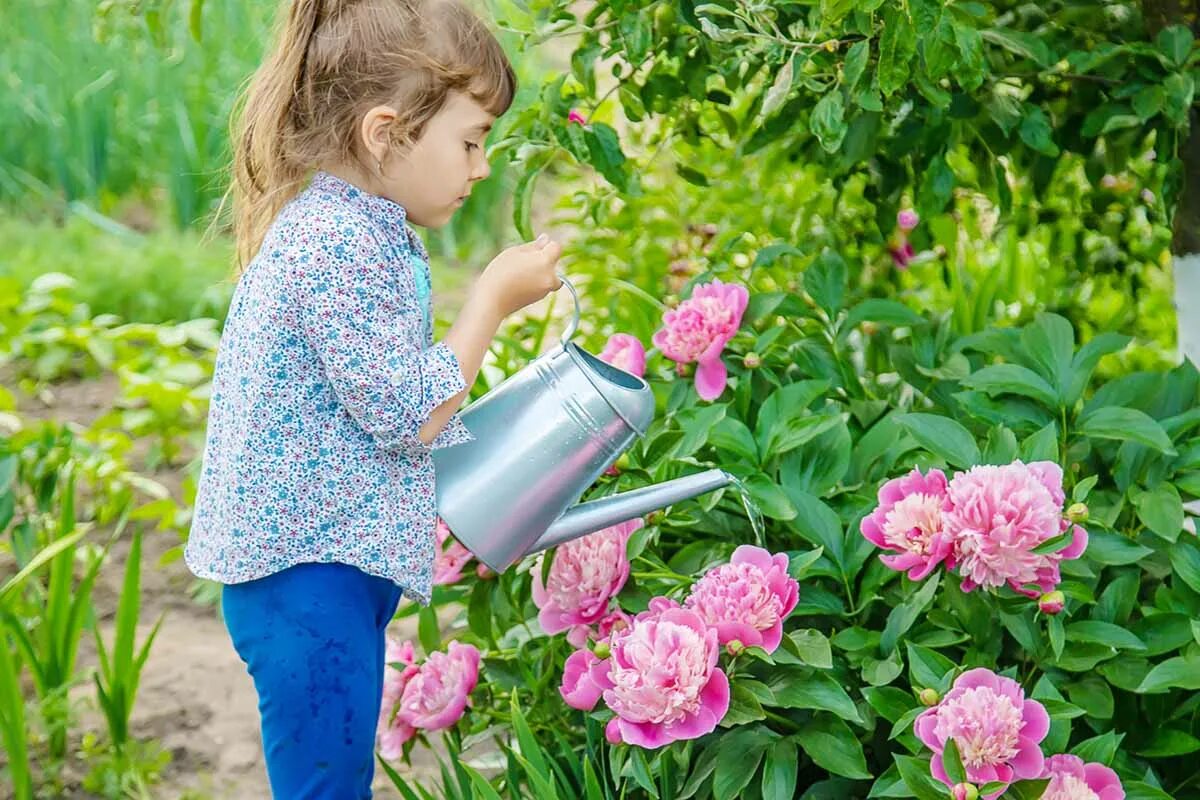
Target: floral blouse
x,y
325,374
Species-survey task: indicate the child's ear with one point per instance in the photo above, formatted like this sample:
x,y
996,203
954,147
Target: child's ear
x,y
377,131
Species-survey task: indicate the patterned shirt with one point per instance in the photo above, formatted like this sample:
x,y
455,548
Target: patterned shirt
x,y
325,374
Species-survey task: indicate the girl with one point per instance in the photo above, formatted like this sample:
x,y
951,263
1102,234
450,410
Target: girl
x,y
315,505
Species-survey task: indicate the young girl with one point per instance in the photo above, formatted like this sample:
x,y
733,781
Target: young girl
x,y
316,499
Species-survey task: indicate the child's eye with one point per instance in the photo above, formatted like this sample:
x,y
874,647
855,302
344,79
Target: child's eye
x,y
471,146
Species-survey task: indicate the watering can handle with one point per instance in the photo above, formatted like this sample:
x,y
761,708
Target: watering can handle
x,y
569,333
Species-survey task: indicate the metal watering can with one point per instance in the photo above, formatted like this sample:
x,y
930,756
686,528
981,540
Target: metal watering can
x,y
542,437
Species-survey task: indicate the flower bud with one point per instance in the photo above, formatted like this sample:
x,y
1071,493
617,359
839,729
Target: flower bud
x,y
576,117
655,517
1078,512
965,791
929,697
751,361
602,649
908,219
1051,602
734,647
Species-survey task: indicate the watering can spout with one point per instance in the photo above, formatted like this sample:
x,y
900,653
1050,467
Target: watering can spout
x,y
585,518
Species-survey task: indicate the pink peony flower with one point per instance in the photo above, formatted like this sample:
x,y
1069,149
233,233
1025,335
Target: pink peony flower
x,y
436,696
997,731
747,599
908,520
698,330
998,515
451,558
662,679
625,352
907,219
584,575
1071,779
392,732
615,620
579,689
576,117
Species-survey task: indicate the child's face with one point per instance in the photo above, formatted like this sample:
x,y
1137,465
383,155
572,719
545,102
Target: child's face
x,y
433,178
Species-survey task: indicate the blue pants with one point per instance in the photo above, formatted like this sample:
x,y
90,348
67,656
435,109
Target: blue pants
x,y
312,637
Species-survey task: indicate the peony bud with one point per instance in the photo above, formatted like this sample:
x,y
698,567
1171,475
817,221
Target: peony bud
x,y
929,697
576,117
1147,197
602,650
907,219
965,791
734,648
1078,512
1109,181
751,361
1051,602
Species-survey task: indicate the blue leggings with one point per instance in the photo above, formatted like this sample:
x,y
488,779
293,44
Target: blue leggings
x,y
312,637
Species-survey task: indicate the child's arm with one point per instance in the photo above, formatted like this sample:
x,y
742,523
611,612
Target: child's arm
x,y
517,277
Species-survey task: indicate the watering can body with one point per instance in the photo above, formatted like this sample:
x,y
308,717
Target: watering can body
x,y
541,439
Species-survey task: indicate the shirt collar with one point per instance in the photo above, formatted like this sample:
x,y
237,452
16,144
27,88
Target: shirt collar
x,y
387,213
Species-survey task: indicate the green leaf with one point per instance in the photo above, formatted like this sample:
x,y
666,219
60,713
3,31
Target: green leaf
x,y
427,630
523,198
1175,42
856,63
952,763
1137,790
1113,549
897,46
812,647
818,524
1161,509
1126,425
1174,673
1168,742
1027,790
1041,446
828,121
1025,45
1036,131
744,707
803,688
928,668
1103,633
915,772
1185,560
1013,379
737,760
604,147
779,773
887,312
943,437
1180,90
825,281
903,616
780,89
833,747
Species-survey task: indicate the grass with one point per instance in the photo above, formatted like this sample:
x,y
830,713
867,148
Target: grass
x,y
167,275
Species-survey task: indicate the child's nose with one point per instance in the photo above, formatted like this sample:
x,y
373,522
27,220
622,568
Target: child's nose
x,y
482,169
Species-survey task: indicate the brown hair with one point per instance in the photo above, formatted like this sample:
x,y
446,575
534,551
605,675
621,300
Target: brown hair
x,y
332,61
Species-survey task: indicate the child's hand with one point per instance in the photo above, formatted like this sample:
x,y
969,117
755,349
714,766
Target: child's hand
x,y
521,275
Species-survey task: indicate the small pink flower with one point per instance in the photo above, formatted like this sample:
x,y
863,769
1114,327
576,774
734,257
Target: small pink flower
x,y
437,695
998,516
661,679
585,575
393,732
698,330
1071,779
902,252
907,219
1051,603
747,599
908,520
482,571
579,689
997,731
576,117
451,557
615,620
625,352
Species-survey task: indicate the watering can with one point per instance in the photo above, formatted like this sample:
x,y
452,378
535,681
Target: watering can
x,y
542,437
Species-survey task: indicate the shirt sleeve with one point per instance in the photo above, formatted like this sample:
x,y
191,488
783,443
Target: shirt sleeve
x,y
358,310
454,433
